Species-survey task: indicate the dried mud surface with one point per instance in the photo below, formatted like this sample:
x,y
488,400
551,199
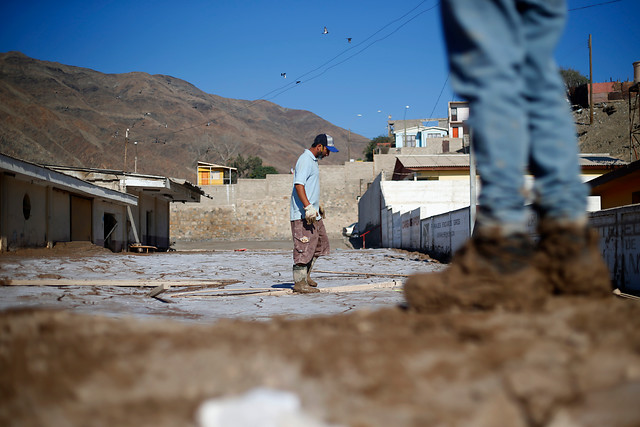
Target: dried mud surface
x,y
574,362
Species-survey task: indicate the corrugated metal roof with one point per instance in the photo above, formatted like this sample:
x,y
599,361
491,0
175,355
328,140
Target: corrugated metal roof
x,y
213,165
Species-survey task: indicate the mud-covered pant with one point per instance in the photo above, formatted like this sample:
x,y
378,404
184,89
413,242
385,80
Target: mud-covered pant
x,y
309,241
501,61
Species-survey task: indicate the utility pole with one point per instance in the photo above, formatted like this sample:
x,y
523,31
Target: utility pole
x,y
472,183
126,142
590,83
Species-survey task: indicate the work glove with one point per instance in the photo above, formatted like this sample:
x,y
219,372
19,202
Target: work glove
x,y
310,214
321,212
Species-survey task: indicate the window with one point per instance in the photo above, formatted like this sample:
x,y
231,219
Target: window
x,y
410,141
454,114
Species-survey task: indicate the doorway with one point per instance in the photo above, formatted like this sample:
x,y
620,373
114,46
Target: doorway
x,y
110,224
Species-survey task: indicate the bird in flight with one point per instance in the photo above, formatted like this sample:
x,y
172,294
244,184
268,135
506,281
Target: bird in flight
x,y
284,75
349,39
325,31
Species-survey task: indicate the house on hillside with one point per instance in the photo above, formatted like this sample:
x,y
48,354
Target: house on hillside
x,y
40,206
602,92
449,136
212,174
147,222
619,187
458,113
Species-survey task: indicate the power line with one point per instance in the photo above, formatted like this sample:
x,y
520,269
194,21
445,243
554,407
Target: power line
x,y
594,5
299,80
438,100
362,42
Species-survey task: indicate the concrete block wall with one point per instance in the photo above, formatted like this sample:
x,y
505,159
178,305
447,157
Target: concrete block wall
x,y
433,197
618,228
258,209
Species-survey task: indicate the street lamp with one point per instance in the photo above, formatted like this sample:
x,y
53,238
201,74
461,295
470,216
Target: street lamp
x,y
404,121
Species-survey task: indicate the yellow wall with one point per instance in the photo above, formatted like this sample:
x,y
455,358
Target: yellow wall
x,y
210,176
618,192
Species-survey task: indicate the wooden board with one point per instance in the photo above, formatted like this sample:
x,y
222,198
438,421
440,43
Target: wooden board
x,y
277,292
111,282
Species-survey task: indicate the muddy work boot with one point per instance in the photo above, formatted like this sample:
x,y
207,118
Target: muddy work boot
x,y
570,259
300,284
310,281
489,271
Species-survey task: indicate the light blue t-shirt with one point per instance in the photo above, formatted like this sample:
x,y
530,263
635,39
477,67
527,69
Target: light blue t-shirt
x,y
306,173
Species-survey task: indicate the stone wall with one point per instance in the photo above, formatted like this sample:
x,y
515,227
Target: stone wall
x,y
258,209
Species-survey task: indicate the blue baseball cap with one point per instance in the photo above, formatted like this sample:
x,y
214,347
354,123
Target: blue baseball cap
x,y
327,141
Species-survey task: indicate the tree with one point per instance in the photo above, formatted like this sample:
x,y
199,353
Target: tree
x,y
381,140
261,172
572,78
251,167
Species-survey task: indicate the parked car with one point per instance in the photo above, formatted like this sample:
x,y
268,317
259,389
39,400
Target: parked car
x,y
350,230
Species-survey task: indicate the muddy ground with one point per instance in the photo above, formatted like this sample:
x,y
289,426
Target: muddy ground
x,y
575,362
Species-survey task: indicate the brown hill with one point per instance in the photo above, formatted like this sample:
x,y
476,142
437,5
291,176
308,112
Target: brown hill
x,y
58,114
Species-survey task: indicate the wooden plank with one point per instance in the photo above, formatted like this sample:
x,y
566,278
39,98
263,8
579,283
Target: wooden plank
x,y
236,292
352,273
111,282
159,289
363,287
396,284
221,290
619,293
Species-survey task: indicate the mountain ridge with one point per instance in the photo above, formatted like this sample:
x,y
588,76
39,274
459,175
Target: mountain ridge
x,y
54,113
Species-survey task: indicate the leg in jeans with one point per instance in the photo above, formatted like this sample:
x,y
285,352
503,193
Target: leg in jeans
x,y
554,146
493,269
486,57
568,254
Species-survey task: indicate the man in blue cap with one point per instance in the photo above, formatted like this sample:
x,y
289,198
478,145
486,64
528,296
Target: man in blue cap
x,y
309,235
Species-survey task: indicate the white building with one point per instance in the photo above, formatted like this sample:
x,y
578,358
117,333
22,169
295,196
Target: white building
x,y
40,206
43,205
147,223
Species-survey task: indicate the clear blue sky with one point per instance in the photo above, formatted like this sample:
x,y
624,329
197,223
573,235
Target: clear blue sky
x,y
237,49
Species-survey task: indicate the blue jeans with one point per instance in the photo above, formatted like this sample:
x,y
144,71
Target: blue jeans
x,y
501,61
